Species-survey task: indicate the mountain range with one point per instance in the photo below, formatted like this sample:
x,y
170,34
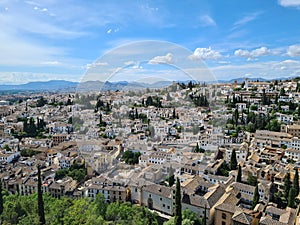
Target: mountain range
x,y
67,86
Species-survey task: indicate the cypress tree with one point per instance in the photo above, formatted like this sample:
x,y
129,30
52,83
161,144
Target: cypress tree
x,y
41,212
255,197
291,197
178,213
296,182
233,161
286,185
239,174
1,199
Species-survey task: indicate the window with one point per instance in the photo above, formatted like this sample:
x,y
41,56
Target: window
x,y
160,199
224,216
223,223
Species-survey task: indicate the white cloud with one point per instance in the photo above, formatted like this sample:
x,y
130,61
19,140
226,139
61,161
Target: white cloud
x,y
205,53
165,59
96,64
262,51
293,50
246,19
289,3
269,70
53,63
206,21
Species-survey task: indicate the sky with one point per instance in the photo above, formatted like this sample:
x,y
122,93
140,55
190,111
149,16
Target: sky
x,y
53,39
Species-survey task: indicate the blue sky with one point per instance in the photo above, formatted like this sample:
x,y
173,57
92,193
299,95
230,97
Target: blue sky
x,y
54,39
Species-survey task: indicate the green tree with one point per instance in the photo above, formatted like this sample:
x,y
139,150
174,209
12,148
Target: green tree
x,y
239,174
41,211
171,180
255,197
291,197
287,184
233,160
178,213
1,199
296,181
252,180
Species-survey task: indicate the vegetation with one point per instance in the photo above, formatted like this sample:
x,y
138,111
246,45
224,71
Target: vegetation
x,y
233,160
197,149
28,152
76,171
252,180
188,217
223,170
287,185
131,157
1,199
296,182
23,210
41,211
239,175
177,213
255,197
291,197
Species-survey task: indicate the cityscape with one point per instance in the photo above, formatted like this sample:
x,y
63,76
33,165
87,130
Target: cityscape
x,y
154,112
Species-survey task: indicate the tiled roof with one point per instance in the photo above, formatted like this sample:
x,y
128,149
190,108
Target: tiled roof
x,y
242,217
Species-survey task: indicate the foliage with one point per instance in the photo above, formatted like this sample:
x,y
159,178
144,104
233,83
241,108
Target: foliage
x,y
255,197
23,210
296,182
291,197
171,180
1,199
131,157
41,102
77,172
188,218
28,152
178,213
287,185
223,170
252,180
41,211
233,160
239,174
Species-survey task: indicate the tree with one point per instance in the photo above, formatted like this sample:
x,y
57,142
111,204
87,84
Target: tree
x,y
255,197
291,197
178,213
296,182
252,180
239,175
286,185
171,180
233,161
41,212
1,199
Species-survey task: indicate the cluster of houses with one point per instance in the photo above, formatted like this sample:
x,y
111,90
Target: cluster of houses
x,y
178,140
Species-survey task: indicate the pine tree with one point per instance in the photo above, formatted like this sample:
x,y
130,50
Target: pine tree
x,y
233,161
296,182
239,174
178,213
255,197
291,197
286,185
1,199
41,212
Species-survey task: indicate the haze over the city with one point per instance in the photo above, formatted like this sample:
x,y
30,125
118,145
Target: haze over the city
x,y
51,39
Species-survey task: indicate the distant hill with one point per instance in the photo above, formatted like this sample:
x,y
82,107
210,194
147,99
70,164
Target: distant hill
x,y
63,85
241,79
52,85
